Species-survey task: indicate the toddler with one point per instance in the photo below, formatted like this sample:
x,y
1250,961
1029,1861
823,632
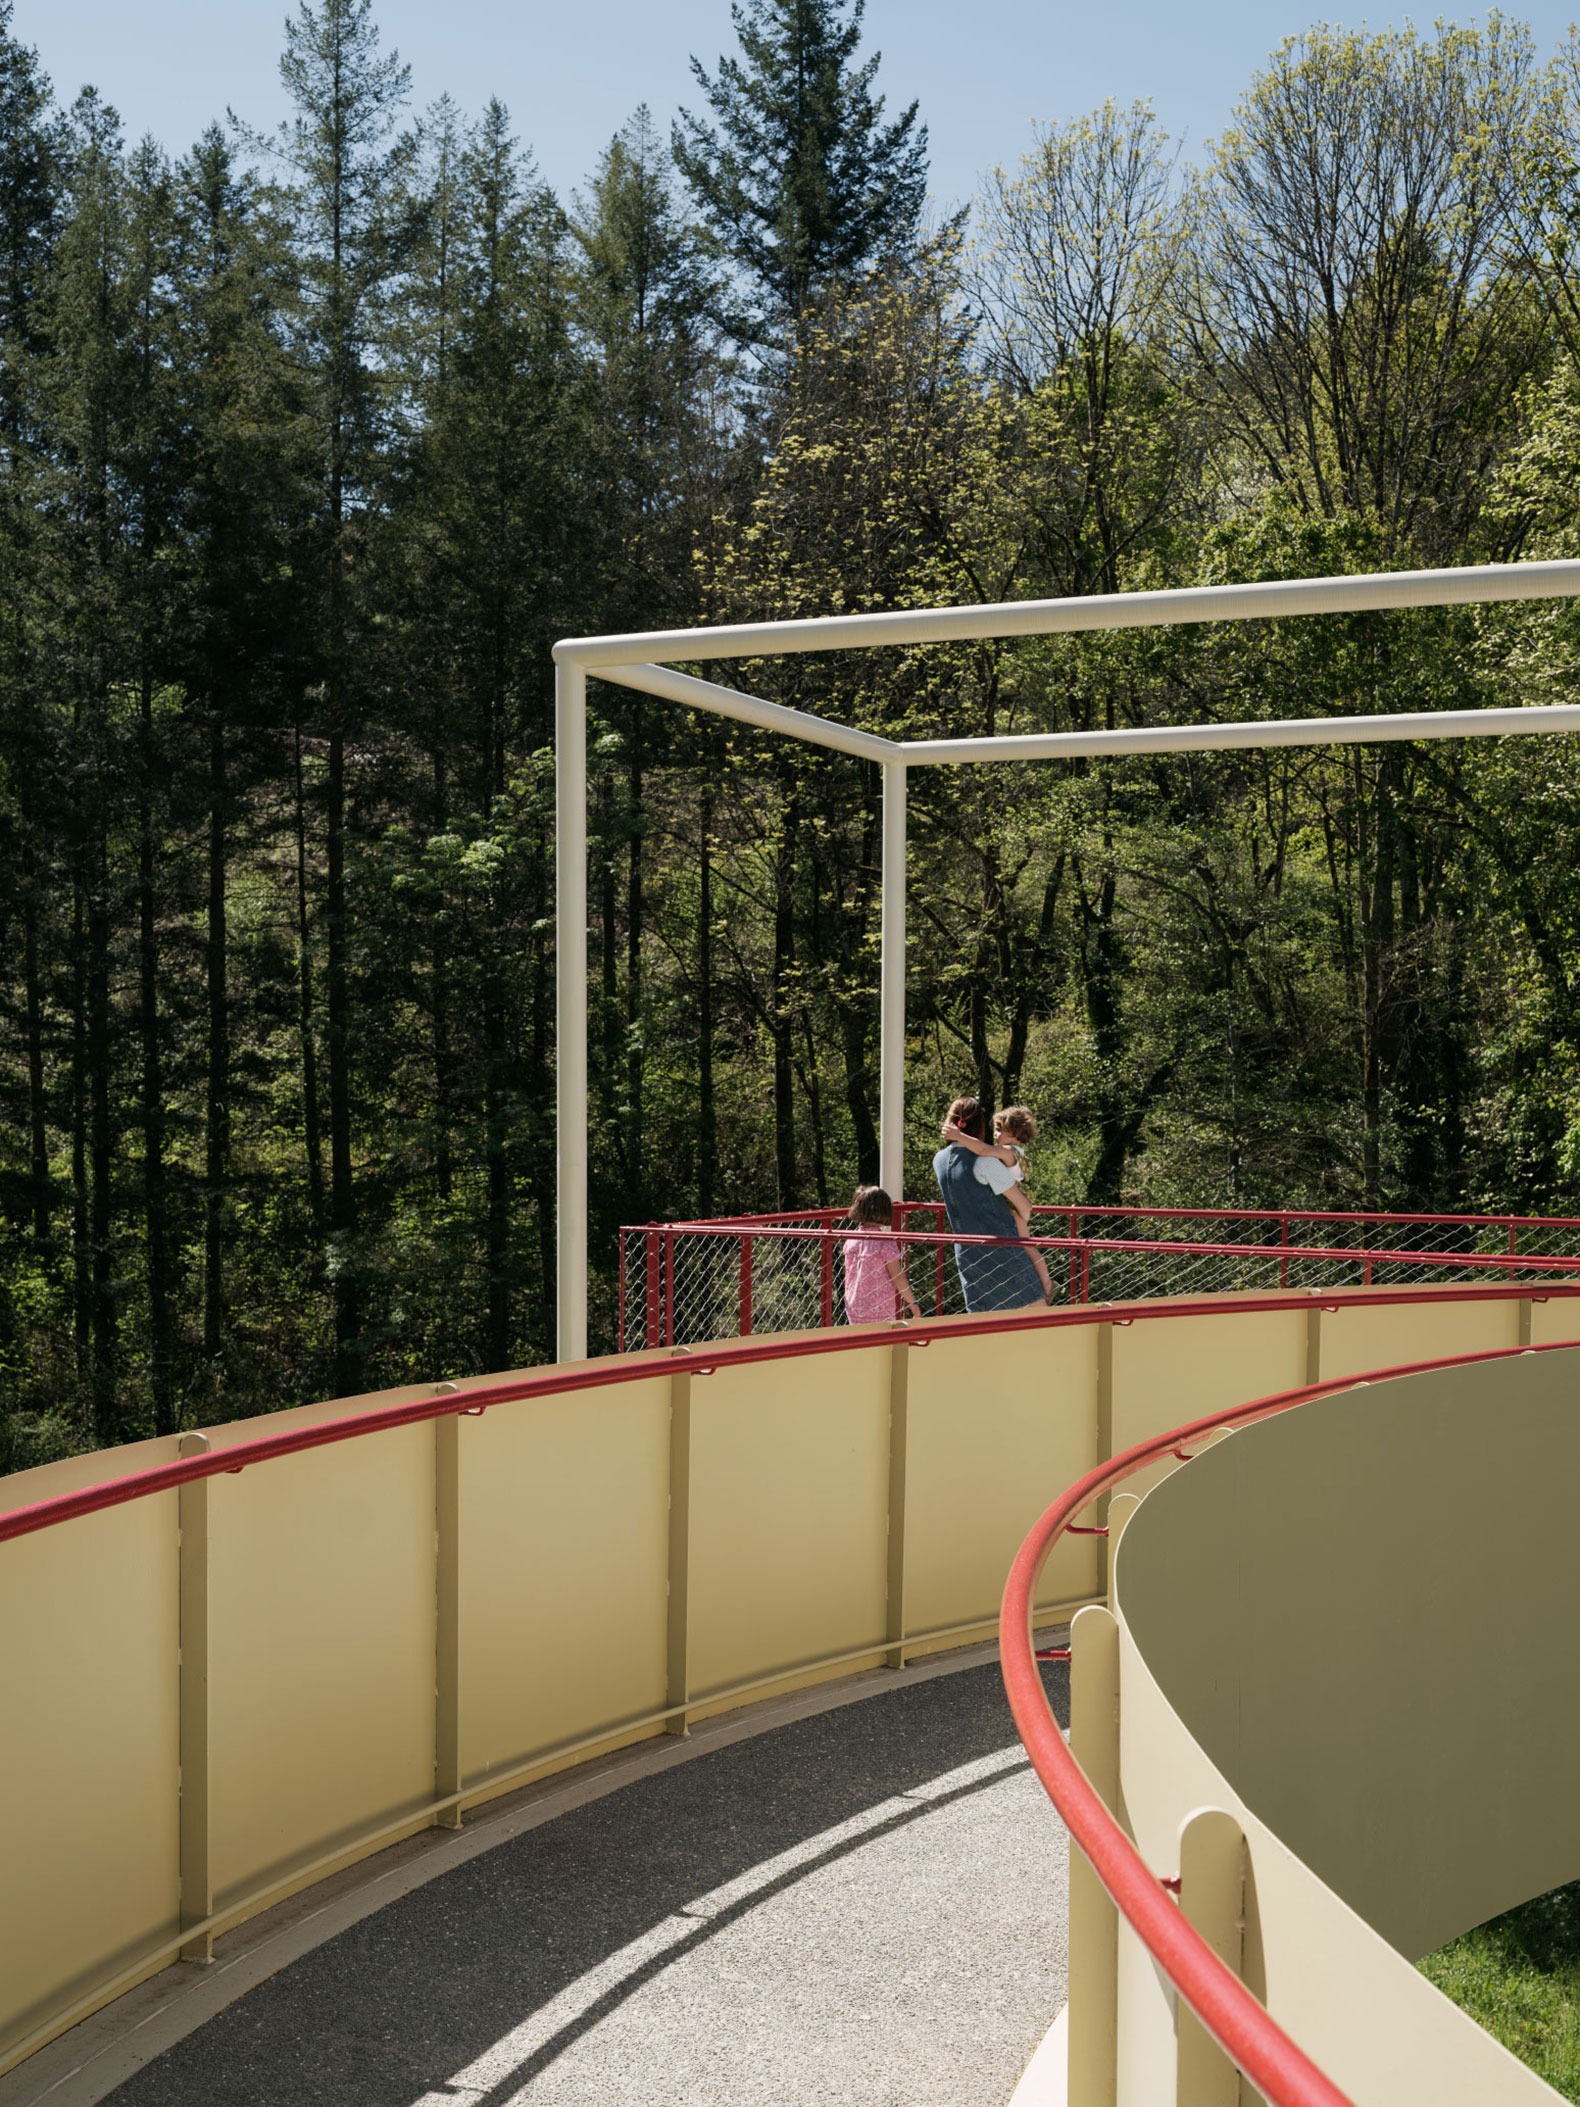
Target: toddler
x,y
875,1281
1001,1163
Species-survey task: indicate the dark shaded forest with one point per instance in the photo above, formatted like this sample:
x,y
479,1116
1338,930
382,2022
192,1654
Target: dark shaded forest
x,y
312,444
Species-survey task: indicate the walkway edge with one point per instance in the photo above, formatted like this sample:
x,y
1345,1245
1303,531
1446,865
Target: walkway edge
x,y
84,2066
1045,2080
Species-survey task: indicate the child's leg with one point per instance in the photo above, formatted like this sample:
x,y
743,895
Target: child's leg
x,y
1041,1265
1020,1206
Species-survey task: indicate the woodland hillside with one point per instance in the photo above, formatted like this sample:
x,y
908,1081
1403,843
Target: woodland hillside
x,y
312,444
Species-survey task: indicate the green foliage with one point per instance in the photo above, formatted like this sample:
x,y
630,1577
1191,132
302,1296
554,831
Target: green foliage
x,y
311,446
802,184
1519,1977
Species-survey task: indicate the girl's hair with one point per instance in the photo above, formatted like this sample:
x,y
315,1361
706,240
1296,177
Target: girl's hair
x,y
1018,1122
966,1114
870,1208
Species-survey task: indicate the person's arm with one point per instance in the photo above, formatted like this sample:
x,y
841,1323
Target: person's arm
x,y
902,1286
1001,1151
1020,1200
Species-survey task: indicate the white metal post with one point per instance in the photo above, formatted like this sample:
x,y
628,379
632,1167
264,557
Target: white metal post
x,y
570,993
891,996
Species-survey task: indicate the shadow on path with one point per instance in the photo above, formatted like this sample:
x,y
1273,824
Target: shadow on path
x,y
662,1904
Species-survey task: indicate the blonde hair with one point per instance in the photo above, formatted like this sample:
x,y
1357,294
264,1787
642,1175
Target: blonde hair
x,y
1019,1122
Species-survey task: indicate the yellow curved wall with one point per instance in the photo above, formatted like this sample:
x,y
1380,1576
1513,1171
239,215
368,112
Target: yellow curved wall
x,y
212,1697
1352,1627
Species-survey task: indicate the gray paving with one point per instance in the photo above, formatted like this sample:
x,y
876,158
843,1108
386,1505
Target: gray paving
x,y
864,1908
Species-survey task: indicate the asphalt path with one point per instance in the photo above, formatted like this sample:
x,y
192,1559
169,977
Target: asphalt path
x,y
866,1907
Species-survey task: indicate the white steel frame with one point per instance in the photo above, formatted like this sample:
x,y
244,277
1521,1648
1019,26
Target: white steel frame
x,y
639,662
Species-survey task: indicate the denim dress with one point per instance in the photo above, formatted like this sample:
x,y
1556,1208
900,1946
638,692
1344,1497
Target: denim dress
x,y
990,1279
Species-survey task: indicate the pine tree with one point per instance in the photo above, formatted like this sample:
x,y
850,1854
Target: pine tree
x,y
348,169
30,149
245,484
802,183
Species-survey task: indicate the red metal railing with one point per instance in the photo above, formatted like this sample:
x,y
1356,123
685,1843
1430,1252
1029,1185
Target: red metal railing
x,y
754,1273
1242,2027
601,1375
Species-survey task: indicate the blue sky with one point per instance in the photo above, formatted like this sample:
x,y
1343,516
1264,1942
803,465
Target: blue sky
x,y
983,70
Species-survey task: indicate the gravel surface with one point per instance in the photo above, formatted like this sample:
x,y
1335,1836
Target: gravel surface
x,y
866,1907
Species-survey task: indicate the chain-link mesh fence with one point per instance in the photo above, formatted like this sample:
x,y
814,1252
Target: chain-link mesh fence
x,y
687,1283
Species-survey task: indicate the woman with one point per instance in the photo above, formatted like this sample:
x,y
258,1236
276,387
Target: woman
x,y
992,1277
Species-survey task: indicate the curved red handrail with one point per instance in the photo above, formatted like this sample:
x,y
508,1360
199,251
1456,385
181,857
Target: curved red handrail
x,y
687,1360
1243,2027
700,1360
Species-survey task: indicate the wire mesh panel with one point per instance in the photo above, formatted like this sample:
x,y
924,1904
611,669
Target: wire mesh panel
x,y
685,1283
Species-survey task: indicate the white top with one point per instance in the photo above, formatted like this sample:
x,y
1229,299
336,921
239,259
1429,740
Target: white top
x,y
998,1176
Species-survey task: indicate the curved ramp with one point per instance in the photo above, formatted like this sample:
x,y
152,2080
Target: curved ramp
x,y
863,1907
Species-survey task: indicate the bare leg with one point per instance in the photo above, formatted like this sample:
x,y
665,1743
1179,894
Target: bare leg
x,y
1020,1207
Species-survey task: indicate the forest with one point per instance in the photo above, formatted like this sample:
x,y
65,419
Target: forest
x,y
311,445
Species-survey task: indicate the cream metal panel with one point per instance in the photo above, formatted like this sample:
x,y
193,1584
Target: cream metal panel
x,y
89,1870
564,1519
1301,1648
1389,1335
1557,1317
1370,2019
997,1427
1397,1548
788,1514
1168,1371
322,1636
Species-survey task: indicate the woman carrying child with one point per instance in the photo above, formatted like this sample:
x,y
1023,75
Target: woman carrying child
x,y
875,1278
996,1274
1001,1166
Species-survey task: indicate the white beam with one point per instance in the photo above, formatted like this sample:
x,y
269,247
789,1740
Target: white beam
x,y
1459,587
570,1000
749,709
1257,732
891,984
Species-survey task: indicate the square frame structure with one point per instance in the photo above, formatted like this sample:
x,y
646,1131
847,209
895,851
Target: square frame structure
x,y
645,662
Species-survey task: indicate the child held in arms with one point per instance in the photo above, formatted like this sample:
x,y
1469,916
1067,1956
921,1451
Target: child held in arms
x,y
1001,1164
875,1279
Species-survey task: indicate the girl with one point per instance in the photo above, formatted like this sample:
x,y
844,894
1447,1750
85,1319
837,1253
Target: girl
x,y
875,1282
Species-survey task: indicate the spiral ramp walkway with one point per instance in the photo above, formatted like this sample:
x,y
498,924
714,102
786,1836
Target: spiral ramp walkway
x,y
632,1731
833,1909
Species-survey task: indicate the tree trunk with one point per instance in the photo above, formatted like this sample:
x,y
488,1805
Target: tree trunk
x,y
101,1155
1029,992
1116,1126
496,1141
216,1120
1377,940
161,1328
707,1108
349,1351
312,1141
636,1187
782,1009
443,1085
39,1190
81,1261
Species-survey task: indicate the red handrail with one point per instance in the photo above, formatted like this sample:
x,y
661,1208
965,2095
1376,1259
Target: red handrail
x,y
692,1360
1243,2027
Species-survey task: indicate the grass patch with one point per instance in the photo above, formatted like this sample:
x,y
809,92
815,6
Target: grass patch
x,y
1518,1976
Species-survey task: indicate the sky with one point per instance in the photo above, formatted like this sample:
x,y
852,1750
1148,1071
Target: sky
x,y
571,74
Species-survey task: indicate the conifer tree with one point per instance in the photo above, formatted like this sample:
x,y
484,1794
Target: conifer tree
x,y
30,144
347,166
800,179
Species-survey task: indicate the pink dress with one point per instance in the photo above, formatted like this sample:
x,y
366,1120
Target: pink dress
x,y
869,1292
